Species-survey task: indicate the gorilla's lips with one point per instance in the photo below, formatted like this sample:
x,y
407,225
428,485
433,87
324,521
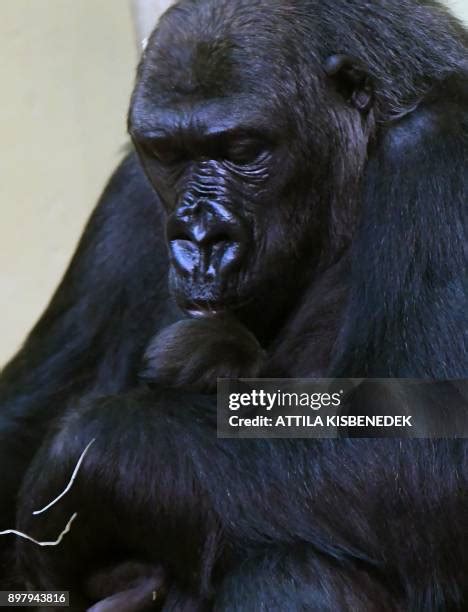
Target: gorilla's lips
x,y
209,308
207,299
205,311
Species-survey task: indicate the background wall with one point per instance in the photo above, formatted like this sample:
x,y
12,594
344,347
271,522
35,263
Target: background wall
x,y
66,73
460,7
66,69
146,13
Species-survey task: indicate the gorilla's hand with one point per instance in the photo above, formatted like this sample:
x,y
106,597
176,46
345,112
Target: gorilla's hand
x,y
195,353
136,494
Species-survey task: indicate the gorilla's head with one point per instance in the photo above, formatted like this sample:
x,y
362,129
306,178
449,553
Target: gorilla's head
x,y
253,142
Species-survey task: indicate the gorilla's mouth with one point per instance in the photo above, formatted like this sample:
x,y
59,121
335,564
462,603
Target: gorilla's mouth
x,y
203,309
201,298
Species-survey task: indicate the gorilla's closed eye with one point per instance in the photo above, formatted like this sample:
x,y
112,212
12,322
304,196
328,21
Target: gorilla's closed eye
x,y
240,152
163,150
244,153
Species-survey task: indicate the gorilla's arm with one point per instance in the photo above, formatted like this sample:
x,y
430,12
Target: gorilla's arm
x,y
92,336
159,486
407,313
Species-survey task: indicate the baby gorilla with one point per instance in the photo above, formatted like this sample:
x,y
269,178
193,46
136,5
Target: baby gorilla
x,y
194,353
190,354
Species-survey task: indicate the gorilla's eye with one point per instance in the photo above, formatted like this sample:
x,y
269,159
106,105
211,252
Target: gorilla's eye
x,y
163,151
244,153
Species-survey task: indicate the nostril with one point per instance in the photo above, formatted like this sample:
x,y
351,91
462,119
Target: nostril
x,y
206,246
177,229
208,236
180,235
215,234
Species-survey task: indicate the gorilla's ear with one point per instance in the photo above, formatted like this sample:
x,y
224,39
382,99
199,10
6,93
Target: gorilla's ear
x,y
351,80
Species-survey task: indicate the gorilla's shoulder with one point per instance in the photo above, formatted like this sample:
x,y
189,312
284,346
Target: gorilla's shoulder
x,y
441,115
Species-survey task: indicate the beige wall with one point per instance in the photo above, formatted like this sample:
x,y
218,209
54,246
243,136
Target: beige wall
x,y
460,7
146,13
66,71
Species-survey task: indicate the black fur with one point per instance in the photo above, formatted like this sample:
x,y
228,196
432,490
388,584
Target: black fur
x,y
336,239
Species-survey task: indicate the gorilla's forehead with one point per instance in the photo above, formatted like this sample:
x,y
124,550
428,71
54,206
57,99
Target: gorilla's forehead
x,y
215,48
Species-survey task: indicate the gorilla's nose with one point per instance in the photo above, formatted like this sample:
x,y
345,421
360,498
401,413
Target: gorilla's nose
x,y
205,243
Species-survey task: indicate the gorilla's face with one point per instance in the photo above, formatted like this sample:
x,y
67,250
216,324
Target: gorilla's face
x,y
222,149
213,174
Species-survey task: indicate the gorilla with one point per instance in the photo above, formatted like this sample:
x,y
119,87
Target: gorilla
x,y
296,206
